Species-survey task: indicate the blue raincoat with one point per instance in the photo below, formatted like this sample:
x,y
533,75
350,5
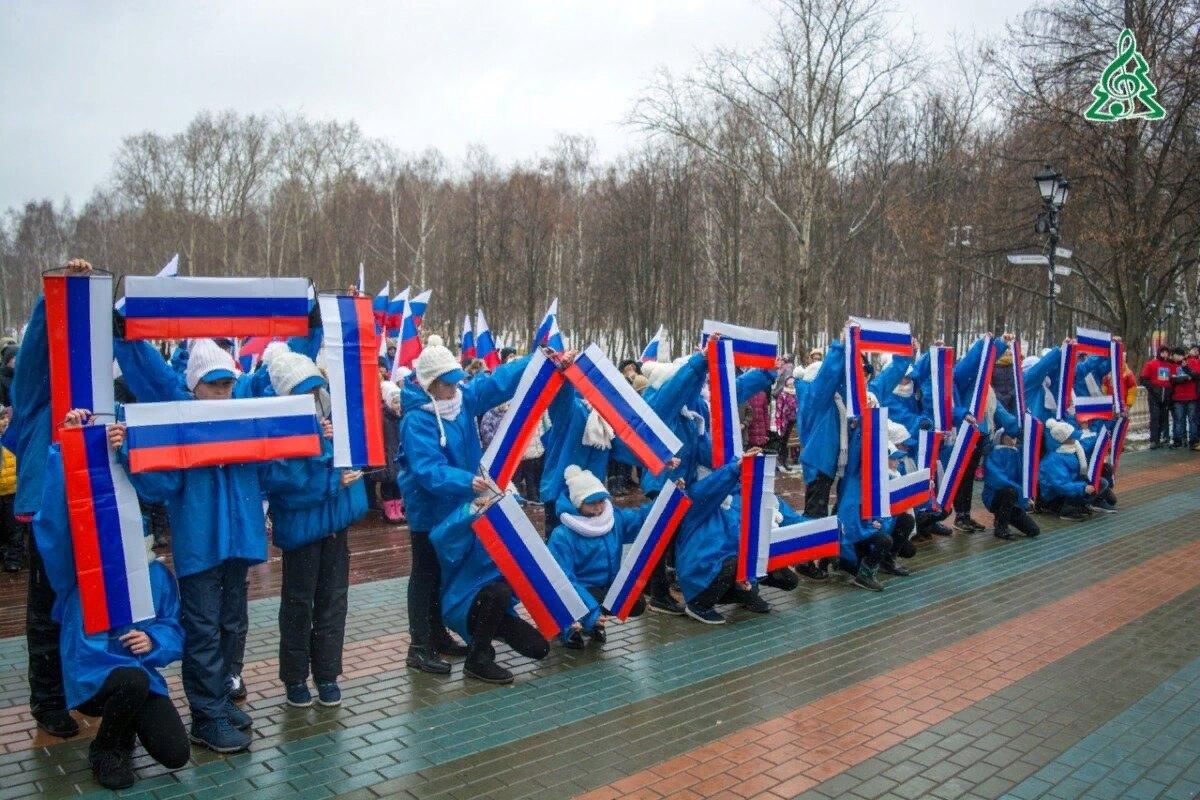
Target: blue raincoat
x,y
564,444
1001,470
466,567
820,422
708,533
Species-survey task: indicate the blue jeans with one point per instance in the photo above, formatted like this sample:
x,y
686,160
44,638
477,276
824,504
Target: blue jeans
x,y
1183,415
212,604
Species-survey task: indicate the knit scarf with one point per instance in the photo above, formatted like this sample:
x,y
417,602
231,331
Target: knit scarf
x,y
590,527
843,435
597,432
1080,455
687,413
444,410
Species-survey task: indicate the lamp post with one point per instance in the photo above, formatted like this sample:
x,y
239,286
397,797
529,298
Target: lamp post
x,y
960,237
1054,190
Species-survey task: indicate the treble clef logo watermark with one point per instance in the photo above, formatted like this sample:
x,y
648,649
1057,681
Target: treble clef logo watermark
x,y
1125,90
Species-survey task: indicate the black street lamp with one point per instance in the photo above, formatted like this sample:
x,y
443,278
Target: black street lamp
x,y
1054,190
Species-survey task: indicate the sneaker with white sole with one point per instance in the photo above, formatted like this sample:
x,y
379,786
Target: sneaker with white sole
x,y
709,616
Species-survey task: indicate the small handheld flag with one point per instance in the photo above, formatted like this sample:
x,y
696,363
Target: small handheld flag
x,y
205,433
875,496
983,378
965,442
1090,407
908,491
183,308
548,329
485,346
884,336
362,278
656,532
1066,380
106,533
540,382
409,346
803,542
651,351
752,347
1031,455
856,379
250,351
1099,457
726,428
1018,380
1120,430
1116,366
941,373
602,385
379,306
525,562
1092,342
757,516
357,415
418,306
395,312
468,340
80,333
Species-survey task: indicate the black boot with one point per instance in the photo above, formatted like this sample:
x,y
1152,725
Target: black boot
x,y
1025,523
811,571
447,646
56,722
110,768
481,665
889,565
426,660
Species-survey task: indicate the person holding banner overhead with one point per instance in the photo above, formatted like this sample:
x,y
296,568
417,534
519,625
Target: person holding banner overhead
x,y
1002,484
972,387
439,470
112,674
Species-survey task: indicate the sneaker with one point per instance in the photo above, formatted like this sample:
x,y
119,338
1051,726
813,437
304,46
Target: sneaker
x,y
757,605
424,660
1071,514
329,694
977,526
12,562
941,529
598,634
1104,507
892,567
709,616
219,736
298,695
811,571
57,722
449,647
488,672
665,605
110,768
574,640
1002,532
238,718
865,579
237,688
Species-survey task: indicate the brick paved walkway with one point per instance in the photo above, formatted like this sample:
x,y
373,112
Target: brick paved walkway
x,y
1059,666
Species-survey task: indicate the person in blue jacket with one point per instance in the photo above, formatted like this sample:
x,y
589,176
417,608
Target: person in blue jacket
x,y
439,462
316,553
588,543
217,531
476,601
114,674
965,372
1063,487
1002,485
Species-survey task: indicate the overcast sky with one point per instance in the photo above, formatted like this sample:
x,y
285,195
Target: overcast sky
x,y
75,77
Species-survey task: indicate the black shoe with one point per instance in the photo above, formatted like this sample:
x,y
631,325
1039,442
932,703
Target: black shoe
x,y
449,647
941,529
110,768
811,571
423,659
1002,532
598,634
1071,514
922,536
757,605
574,640
665,605
890,566
488,672
1155,445
57,722
865,578
971,525
12,565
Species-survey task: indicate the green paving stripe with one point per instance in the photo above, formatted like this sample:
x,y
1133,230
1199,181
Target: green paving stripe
x,y
409,741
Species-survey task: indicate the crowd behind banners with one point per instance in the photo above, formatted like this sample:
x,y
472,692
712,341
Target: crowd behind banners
x,y
708,533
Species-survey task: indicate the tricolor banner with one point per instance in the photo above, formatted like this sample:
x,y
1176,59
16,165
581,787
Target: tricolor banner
x,y
722,389
395,312
875,497
1066,380
1099,457
79,329
1120,430
1031,455
1090,407
856,379
408,347
1018,380
1116,367
539,383
184,308
803,542
983,378
379,307
106,533
467,348
941,373
1092,342
485,346
206,433
646,550
548,333
908,491
965,442
596,378
929,446
523,559
652,349
884,336
752,347
349,339
757,516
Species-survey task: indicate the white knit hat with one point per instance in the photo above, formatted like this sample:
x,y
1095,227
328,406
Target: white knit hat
x,y
897,434
583,486
207,361
436,361
387,389
273,349
293,372
1061,431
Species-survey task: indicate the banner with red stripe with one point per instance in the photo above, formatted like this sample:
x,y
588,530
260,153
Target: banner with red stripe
x,y
875,498
646,551
350,341
752,347
757,516
1120,431
855,377
79,329
983,377
884,336
965,441
803,542
722,397
941,373
1031,455
183,308
538,386
908,491
1099,456
1018,380
1066,380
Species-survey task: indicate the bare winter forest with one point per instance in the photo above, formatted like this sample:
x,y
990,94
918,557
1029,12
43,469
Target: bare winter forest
x,y
833,170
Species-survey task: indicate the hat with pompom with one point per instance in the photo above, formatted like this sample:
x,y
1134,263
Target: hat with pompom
x,y
207,362
293,373
583,486
436,362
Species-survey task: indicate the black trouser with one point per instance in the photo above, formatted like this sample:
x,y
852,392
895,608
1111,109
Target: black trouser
x,y
966,490
927,519
528,478
126,706
1160,415
388,490
724,589
12,533
785,434
871,551
639,607
489,619
901,536
312,609
1006,505
620,475
549,517
41,637
425,625
816,497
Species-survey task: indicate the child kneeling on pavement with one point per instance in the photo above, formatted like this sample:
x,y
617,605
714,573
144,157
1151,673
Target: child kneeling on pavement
x,y
1002,486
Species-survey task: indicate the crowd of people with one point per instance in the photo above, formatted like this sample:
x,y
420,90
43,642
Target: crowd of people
x,y
438,418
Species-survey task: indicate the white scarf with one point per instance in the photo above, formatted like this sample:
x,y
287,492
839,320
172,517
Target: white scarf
x,y
597,432
843,435
444,410
903,390
1080,456
590,527
687,413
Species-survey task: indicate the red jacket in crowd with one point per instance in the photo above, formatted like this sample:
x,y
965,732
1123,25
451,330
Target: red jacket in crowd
x,y
1157,373
1185,380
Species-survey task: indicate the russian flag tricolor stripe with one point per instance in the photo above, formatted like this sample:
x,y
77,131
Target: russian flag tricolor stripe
x,y
983,378
485,346
205,433
884,336
80,333
956,470
349,339
1099,456
856,380
1066,380
106,533
1092,342
757,516
1031,455
1018,380
752,347
1116,366
726,427
525,562
652,347
803,542
941,373
660,525
181,308
1088,408
539,383
875,497
908,491
637,425
468,339
1120,430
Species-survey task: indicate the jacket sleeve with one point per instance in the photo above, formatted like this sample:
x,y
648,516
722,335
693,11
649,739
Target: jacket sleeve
x,y
452,537
685,384
1004,419
825,384
631,520
31,375
488,391
1045,367
966,368
52,530
889,378
164,629
752,382
427,462
304,481
149,377
710,491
